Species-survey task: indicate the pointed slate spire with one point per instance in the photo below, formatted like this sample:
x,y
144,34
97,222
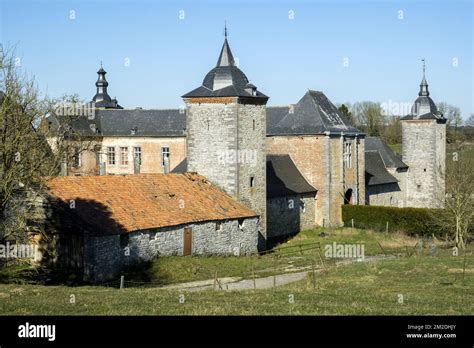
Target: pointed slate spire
x,y
101,85
424,85
225,58
102,98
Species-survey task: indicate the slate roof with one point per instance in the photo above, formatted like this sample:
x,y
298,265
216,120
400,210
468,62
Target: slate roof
x,y
424,107
375,171
129,122
182,167
171,122
225,80
313,114
389,157
116,204
284,178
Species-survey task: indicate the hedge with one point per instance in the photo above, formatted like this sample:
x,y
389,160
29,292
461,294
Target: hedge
x,y
412,221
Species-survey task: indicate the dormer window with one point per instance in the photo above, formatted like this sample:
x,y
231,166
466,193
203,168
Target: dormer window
x,y
251,89
134,130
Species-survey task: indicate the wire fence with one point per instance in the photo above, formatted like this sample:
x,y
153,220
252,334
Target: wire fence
x,y
270,270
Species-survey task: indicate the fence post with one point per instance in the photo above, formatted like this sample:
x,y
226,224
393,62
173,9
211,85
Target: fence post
x,y
463,268
380,245
274,271
386,228
122,282
352,221
253,276
322,262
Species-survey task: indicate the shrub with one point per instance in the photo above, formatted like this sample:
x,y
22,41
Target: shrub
x,y
413,221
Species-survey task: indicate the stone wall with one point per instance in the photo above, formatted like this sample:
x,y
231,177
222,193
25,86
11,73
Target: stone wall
x,y
212,136
424,151
386,195
290,215
310,157
226,144
251,141
320,159
106,256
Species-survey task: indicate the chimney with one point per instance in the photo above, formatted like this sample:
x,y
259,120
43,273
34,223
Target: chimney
x,y
136,165
102,168
166,167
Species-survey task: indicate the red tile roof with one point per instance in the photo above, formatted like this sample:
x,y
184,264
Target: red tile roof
x,y
126,203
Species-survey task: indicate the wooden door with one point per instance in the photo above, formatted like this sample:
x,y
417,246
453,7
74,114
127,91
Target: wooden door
x,y
188,241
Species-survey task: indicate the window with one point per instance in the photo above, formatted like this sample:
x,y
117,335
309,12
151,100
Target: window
x,y
137,153
165,153
124,156
241,223
111,155
347,155
253,123
218,226
252,181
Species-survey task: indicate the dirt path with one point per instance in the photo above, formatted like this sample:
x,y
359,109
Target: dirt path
x,y
237,283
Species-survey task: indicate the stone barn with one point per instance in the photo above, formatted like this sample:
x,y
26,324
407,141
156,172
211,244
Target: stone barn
x,y
122,220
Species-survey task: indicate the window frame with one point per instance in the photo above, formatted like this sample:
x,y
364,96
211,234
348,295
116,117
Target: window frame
x,y
139,152
111,154
124,156
162,153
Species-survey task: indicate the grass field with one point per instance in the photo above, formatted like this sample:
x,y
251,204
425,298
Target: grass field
x,y
415,284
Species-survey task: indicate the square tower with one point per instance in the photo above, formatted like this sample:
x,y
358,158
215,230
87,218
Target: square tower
x,y
226,130
424,151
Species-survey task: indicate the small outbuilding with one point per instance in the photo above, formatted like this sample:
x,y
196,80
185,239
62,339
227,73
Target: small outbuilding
x,y
101,224
290,199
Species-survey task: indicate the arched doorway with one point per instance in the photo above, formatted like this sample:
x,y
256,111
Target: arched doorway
x,y
348,197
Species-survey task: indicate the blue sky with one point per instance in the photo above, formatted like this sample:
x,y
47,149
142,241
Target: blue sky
x,y
284,57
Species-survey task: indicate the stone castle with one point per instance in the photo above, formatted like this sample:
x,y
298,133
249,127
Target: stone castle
x,y
294,165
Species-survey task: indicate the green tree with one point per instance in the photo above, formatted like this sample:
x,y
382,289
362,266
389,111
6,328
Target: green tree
x,y
343,109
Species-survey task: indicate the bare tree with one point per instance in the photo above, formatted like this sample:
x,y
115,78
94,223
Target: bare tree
x,y
470,121
456,218
369,115
26,157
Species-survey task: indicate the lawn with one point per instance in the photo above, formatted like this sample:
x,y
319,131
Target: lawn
x,y
415,284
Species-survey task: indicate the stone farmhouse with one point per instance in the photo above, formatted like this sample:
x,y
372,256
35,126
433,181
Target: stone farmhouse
x,y
283,169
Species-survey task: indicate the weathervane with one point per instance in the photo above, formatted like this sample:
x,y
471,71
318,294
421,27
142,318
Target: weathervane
x,y
225,29
424,67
